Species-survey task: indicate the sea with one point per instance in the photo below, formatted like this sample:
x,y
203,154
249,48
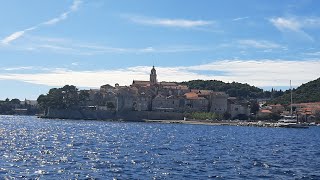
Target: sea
x,y
33,148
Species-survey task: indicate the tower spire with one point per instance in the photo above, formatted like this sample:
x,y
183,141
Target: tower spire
x,y
153,76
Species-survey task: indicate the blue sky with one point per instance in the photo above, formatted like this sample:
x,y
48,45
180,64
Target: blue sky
x,y
88,43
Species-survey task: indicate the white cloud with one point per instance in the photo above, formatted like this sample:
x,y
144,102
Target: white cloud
x,y
55,48
66,46
12,37
313,53
296,25
75,64
74,7
46,39
259,44
240,18
56,20
286,24
148,49
311,22
181,23
18,68
259,73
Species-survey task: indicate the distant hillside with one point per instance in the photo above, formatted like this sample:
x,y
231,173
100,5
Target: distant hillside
x,y
233,89
309,92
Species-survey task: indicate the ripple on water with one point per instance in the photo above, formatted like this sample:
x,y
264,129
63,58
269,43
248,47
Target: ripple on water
x,y
32,148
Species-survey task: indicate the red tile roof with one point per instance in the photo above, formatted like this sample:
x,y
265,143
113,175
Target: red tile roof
x,y
265,111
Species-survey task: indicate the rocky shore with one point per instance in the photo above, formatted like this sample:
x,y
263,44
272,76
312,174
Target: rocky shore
x,y
217,123
150,117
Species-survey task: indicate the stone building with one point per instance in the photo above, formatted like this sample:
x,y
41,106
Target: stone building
x,y
142,102
125,98
195,102
162,96
170,103
277,108
152,81
153,76
238,108
94,97
218,102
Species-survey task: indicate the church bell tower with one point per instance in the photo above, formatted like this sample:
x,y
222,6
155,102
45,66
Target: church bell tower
x,y
153,76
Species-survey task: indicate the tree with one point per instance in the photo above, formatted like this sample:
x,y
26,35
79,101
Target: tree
x,y
254,107
15,101
232,92
232,89
110,105
317,116
309,92
98,99
66,97
267,94
226,115
70,96
83,96
275,116
42,101
205,115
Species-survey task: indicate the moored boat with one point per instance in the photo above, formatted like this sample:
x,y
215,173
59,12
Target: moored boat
x,y
290,121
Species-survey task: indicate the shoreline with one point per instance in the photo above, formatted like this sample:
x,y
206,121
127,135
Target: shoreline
x,y
193,122
177,121
217,123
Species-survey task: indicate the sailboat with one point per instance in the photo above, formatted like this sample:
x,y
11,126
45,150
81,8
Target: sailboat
x,y
290,121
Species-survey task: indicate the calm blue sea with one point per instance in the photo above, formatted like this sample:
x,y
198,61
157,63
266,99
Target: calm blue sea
x,y
32,148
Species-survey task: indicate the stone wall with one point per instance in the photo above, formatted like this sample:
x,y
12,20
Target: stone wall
x,y
79,114
219,103
105,115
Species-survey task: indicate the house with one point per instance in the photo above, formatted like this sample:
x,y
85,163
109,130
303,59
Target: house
x,y
136,83
277,108
218,102
194,102
168,103
307,111
152,81
238,108
264,112
29,102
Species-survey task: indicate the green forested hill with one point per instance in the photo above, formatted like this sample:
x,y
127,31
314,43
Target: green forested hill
x,y
233,89
309,92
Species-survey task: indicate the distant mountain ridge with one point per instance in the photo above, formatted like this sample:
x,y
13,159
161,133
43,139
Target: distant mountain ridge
x,y
233,89
308,92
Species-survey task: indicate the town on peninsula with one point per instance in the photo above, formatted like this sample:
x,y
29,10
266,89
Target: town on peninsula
x,y
154,100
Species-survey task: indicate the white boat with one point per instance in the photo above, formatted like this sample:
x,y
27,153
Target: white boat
x,y
290,121
291,125
312,124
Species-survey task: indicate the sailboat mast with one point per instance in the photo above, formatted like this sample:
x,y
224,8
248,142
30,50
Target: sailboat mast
x,y
290,99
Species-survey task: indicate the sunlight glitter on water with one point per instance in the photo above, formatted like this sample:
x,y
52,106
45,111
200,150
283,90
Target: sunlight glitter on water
x,y
34,148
